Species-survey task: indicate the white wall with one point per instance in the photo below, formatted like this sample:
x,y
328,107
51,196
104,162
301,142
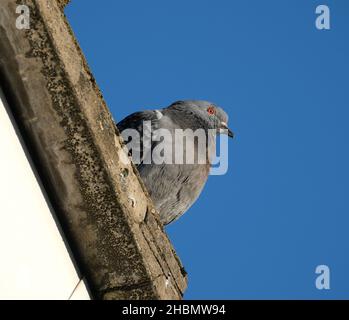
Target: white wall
x,y
34,261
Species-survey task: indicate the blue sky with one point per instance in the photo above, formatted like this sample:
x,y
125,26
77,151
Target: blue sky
x,y
282,209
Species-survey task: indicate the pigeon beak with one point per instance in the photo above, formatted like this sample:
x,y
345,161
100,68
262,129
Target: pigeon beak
x,y
224,127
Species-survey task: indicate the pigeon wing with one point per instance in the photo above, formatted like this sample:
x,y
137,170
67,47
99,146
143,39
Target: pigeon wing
x,y
144,123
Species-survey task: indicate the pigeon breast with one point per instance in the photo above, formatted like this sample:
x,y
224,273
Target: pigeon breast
x,y
173,187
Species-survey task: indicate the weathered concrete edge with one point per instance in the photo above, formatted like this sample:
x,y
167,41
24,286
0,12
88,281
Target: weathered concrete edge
x,y
152,236
62,3
74,137
155,243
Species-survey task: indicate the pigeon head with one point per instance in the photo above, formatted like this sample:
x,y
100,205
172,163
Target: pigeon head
x,y
207,115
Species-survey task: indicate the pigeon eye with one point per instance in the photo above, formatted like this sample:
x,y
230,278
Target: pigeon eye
x,y
211,110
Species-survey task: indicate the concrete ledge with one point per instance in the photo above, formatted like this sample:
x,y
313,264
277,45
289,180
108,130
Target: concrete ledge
x,y
107,216
62,3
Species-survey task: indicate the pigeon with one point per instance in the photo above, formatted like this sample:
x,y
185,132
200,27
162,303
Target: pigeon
x,y
175,186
